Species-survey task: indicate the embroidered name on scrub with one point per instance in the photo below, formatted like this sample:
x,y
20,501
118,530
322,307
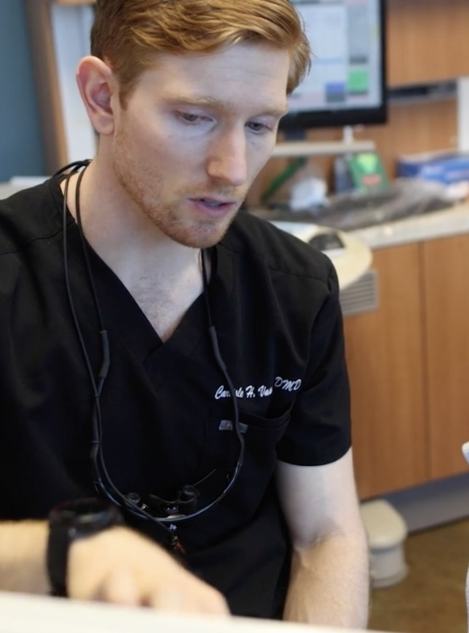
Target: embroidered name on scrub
x,y
250,392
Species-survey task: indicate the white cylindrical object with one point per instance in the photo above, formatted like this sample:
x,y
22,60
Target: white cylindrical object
x,y
387,531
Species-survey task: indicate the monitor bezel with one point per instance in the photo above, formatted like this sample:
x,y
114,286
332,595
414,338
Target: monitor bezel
x,y
306,119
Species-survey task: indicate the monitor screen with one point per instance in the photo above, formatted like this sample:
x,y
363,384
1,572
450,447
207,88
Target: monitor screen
x,y
347,81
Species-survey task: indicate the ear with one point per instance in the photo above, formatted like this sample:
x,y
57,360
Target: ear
x,y
96,83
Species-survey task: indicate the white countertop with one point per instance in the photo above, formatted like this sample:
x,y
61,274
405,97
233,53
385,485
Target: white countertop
x,y
452,221
356,258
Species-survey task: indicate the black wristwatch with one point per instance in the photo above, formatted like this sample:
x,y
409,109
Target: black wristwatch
x,y
71,521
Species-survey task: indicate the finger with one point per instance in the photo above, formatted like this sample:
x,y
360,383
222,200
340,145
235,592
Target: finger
x,y
212,601
120,587
216,605
189,601
167,600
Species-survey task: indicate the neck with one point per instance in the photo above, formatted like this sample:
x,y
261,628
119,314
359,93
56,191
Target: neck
x,y
122,235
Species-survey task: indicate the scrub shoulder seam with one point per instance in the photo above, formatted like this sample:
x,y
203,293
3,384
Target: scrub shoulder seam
x,y
305,275
29,243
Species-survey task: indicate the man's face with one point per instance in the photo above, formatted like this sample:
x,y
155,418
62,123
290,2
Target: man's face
x,y
196,131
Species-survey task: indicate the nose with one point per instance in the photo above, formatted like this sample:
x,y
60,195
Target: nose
x,y
227,160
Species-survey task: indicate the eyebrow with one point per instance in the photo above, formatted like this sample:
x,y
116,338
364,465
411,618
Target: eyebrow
x,y
221,105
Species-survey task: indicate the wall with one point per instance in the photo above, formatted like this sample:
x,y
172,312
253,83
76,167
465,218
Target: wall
x,y
21,151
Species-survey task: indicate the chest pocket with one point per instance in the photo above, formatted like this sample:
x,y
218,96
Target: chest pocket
x,y
261,435
273,424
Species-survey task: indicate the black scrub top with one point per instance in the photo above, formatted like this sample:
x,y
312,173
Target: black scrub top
x,y
167,411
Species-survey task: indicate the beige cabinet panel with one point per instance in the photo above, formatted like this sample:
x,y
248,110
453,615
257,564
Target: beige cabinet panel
x,y
446,268
385,359
428,40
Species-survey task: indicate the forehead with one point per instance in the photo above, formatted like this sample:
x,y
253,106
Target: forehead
x,y
255,75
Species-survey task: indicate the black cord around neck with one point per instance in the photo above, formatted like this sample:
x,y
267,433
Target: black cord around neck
x,y
103,480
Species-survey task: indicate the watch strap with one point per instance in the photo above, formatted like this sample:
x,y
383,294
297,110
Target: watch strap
x,y
69,522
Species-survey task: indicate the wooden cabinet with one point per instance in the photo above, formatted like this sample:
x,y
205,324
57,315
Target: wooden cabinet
x,y
384,354
428,40
446,273
409,368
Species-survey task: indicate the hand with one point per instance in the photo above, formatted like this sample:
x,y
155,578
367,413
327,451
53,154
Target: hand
x,y
122,567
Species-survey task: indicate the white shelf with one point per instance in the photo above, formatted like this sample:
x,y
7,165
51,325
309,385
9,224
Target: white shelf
x,y
327,148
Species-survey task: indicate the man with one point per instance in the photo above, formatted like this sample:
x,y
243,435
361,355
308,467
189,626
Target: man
x,y
198,352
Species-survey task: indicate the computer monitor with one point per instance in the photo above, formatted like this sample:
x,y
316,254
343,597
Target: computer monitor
x,y
347,81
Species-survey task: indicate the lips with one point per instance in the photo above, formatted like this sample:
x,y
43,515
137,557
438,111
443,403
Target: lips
x,y
214,202
213,207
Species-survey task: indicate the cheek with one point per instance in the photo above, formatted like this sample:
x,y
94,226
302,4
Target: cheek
x,y
140,137
168,151
181,156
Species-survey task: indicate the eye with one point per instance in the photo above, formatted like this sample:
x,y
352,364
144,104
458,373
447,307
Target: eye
x,y
259,128
191,119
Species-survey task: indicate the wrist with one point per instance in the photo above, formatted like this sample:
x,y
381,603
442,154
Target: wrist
x,y
69,523
27,571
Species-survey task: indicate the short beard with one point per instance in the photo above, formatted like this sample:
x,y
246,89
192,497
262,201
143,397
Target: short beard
x,y
132,179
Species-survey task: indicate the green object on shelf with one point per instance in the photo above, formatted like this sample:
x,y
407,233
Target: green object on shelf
x,y
290,170
366,171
